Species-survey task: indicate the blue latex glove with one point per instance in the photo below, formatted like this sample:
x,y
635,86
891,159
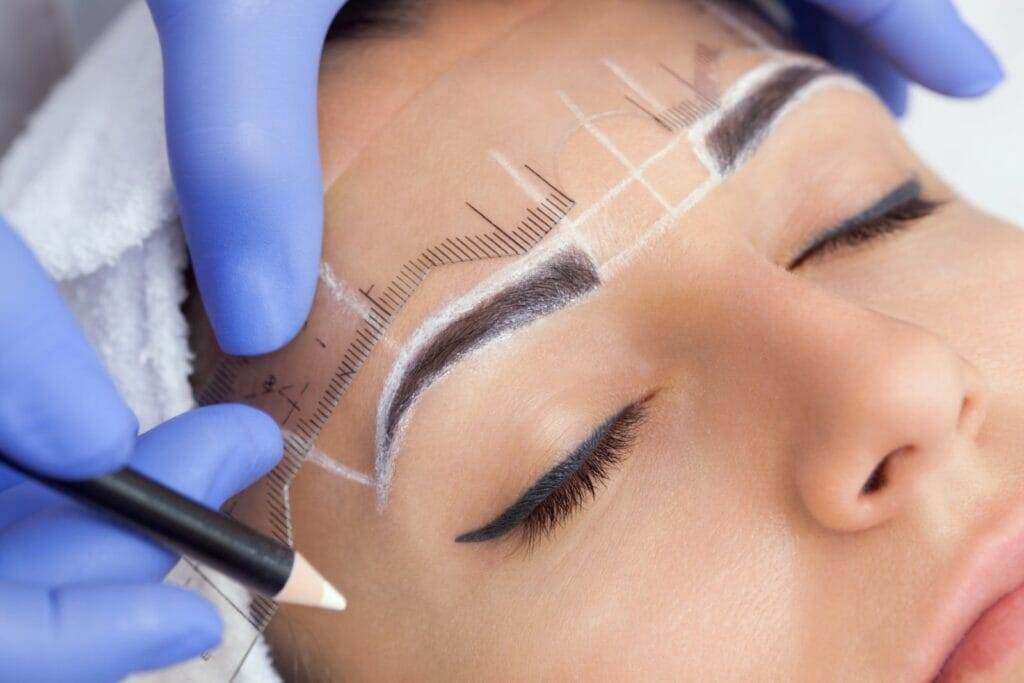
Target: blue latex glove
x,y
80,597
240,86
887,42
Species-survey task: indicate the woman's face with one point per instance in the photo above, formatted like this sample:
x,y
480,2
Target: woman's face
x,y
620,410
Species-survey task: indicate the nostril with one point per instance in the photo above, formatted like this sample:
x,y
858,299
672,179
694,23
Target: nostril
x,y
966,407
877,479
880,475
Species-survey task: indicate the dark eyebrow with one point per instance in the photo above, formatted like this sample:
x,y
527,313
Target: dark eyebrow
x,y
551,286
743,127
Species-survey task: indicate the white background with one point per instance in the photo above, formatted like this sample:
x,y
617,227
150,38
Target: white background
x,y
978,145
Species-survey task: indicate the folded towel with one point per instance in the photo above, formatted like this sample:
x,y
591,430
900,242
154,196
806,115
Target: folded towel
x,y
88,186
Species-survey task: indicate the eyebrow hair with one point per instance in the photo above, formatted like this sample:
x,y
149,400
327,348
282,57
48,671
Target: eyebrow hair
x,y
742,129
553,285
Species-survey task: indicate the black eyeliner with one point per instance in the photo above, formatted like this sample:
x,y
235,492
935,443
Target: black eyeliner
x,y
516,513
904,195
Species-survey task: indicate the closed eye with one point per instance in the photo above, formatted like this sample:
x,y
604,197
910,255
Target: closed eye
x,y
897,211
567,486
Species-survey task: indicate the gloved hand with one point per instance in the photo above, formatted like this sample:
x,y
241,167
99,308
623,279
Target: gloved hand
x,y
888,41
240,86
80,597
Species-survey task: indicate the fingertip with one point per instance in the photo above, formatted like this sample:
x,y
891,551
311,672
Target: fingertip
x,y
107,448
201,626
898,101
191,626
256,309
75,438
256,449
933,46
145,626
266,438
256,257
211,452
262,439
975,82
848,50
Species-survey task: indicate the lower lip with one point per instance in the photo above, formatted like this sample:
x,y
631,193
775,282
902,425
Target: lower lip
x,y
997,635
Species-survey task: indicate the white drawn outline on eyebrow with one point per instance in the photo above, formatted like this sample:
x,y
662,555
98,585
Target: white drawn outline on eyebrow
x,y
547,287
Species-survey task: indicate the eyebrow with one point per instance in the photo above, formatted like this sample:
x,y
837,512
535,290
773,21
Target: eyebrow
x,y
741,129
553,285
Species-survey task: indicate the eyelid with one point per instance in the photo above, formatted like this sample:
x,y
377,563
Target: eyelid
x,y
899,210
619,428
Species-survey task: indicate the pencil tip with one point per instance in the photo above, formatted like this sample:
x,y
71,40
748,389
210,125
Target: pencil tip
x,y
306,586
332,599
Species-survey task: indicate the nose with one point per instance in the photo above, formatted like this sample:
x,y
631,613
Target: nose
x,y
887,406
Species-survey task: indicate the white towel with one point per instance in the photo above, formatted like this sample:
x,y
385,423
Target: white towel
x,y
88,186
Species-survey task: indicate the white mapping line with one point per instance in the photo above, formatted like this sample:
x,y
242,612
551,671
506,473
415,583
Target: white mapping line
x,y
384,461
616,263
321,459
634,172
531,190
736,24
633,85
345,295
341,293
609,267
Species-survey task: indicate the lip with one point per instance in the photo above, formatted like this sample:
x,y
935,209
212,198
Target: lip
x,y
993,570
994,637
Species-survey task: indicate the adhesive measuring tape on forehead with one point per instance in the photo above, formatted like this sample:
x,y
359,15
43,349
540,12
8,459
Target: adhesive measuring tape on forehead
x,y
673,95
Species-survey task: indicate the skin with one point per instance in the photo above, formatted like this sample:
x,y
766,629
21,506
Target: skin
x,y
733,542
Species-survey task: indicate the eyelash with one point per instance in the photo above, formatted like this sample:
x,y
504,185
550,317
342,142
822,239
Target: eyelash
x,y
574,492
896,219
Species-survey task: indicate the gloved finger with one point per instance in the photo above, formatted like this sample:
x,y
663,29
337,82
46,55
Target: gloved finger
x,y
24,500
926,40
9,478
218,434
245,158
59,410
208,455
848,50
100,633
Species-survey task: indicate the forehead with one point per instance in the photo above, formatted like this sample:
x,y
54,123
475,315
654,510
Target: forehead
x,y
534,131
575,125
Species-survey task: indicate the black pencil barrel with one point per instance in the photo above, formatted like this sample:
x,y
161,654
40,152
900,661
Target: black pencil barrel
x,y
207,536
